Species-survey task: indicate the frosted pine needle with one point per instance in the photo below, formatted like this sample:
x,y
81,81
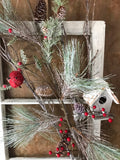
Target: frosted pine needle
x,y
76,85
99,151
24,124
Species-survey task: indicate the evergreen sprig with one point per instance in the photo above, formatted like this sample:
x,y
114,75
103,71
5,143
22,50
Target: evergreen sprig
x,y
23,57
38,63
52,30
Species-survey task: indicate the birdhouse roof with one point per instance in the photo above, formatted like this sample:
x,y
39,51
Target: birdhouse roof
x,y
93,96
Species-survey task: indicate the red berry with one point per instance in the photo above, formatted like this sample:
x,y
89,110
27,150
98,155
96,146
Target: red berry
x,y
58,155
103,109
61,131
93,116
73,145
110,120
62,148
68,139
57,149
19,63
10,30
94,107
61,119
50,152
86,113
60,124
45,37
104,114
4,85
68,153
66,131
19,69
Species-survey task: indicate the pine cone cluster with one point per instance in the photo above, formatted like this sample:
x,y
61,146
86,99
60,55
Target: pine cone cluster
x,y
40,11
63,144
61,12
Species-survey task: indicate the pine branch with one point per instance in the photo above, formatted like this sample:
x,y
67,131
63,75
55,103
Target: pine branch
x,y
24,124
100,151
75,82
38,63
52,30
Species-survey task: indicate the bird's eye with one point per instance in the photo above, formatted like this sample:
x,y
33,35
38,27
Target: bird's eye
x,y
15,77
102,100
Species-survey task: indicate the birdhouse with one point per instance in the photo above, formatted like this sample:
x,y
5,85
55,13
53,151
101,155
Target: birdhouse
x,y
99,100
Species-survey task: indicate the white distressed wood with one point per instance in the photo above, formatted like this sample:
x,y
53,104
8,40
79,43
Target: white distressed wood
x,y
98,45
3,149
71,28
97,127
33,101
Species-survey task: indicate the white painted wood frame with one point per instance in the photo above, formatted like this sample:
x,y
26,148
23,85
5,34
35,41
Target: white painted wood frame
x,y
72,28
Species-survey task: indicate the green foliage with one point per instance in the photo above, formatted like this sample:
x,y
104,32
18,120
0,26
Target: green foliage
x,y
99,151
52,29
23,57
72,66
38,63
23,124
8,10
4,89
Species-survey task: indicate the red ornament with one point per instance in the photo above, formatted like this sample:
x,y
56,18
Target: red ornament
x,y
50,152
4,85
66,131
60,124
93,116
94,107
68,153
45,37
110,120
73,145
104,115
58,155
62,148
103,109
15,79
61,119
19,63
86,113
57,149
10,30
61,131
68,139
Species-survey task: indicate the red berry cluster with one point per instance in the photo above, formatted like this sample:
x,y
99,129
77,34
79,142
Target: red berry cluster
x,y
62,148
103,114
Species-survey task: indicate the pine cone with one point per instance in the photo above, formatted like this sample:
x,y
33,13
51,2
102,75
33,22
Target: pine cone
x,y
61,12
44,91
40,11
